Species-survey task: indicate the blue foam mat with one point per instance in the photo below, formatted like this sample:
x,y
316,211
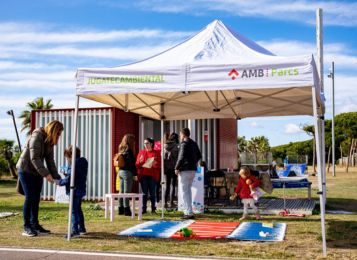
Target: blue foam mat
x,y
251,230
156,228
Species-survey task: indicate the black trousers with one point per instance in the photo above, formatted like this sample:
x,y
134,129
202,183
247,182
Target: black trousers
x,y
32,185
170,186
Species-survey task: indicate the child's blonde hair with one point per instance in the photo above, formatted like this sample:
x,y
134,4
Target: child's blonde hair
x,y
244,171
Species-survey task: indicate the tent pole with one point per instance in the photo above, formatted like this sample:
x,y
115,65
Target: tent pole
x,y
320,62
323,157
73,168
162,170
317,122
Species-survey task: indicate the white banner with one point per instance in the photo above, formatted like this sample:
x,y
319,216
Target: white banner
x,y
197,193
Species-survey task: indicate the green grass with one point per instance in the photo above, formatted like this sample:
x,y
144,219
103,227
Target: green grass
x,y
303,237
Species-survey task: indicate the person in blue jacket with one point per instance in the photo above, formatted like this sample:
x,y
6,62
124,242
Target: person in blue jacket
x,y
80,183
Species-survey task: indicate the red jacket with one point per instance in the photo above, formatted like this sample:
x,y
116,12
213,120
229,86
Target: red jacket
x,y
155,170
243,189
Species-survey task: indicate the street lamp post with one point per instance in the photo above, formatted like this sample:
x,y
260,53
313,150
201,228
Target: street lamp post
x,y
332,76
11,113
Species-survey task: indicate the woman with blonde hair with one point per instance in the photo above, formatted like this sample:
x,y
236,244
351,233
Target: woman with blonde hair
x,y
32,171
125,160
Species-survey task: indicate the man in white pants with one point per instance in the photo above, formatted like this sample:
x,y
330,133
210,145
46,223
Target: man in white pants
x,y
186,166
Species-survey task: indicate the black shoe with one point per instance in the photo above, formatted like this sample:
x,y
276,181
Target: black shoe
x,y
153,210
144,211
127,211
188,217
82,231
40,230
121,210
29,232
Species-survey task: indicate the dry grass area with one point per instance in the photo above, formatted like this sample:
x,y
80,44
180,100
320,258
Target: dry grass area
x,y
303,239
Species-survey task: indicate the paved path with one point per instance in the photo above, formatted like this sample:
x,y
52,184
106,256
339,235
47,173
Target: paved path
x,y
32,254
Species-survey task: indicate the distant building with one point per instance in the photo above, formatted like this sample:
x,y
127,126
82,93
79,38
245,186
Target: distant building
x,y
100,131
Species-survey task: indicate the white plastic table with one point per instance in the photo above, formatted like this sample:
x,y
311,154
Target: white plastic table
x,y
109,203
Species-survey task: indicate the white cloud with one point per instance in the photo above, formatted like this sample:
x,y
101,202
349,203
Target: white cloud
x,y
11,65
335,12
17,35
5,121
293,129
256,125
337,52
345,94
28,85
347,108
59,75
105,52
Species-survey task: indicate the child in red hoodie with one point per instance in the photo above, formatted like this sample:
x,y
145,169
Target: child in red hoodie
x,y
245,187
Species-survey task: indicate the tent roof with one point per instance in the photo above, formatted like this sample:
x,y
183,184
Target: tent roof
x,y
214,44
217,73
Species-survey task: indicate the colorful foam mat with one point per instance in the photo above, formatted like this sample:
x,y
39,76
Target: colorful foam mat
x,y
156,228
257,231
208,230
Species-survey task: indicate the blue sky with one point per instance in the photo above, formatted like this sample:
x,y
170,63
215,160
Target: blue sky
x,y
42,44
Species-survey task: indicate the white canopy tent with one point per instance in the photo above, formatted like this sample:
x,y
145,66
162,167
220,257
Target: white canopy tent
x,y
217,73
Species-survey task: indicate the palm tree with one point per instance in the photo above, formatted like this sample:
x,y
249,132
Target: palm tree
x,y
242,144
242,148
253,147
264,147
37,104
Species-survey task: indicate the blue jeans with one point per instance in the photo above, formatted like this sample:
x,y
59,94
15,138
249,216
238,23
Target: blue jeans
x,y
185,179
126,184
32,185
148,185
77,215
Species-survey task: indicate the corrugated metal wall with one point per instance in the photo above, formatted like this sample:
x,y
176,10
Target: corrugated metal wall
x,y
94,132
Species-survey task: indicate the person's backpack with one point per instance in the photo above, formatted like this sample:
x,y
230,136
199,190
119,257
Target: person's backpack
x,y
169,160
119,160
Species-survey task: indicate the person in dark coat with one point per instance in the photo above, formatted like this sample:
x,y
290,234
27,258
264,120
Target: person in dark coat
x,y
80,184
171,149
186,167
32,170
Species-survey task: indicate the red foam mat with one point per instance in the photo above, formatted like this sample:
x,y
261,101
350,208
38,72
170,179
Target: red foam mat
x,y
209,230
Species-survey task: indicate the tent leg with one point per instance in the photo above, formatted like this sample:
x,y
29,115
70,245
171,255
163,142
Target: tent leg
x,y
318,139
323,151
73,167
162,170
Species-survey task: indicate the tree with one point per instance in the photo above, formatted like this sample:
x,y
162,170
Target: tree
x,y
37,104
7,160
242,144
346,132
259,144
